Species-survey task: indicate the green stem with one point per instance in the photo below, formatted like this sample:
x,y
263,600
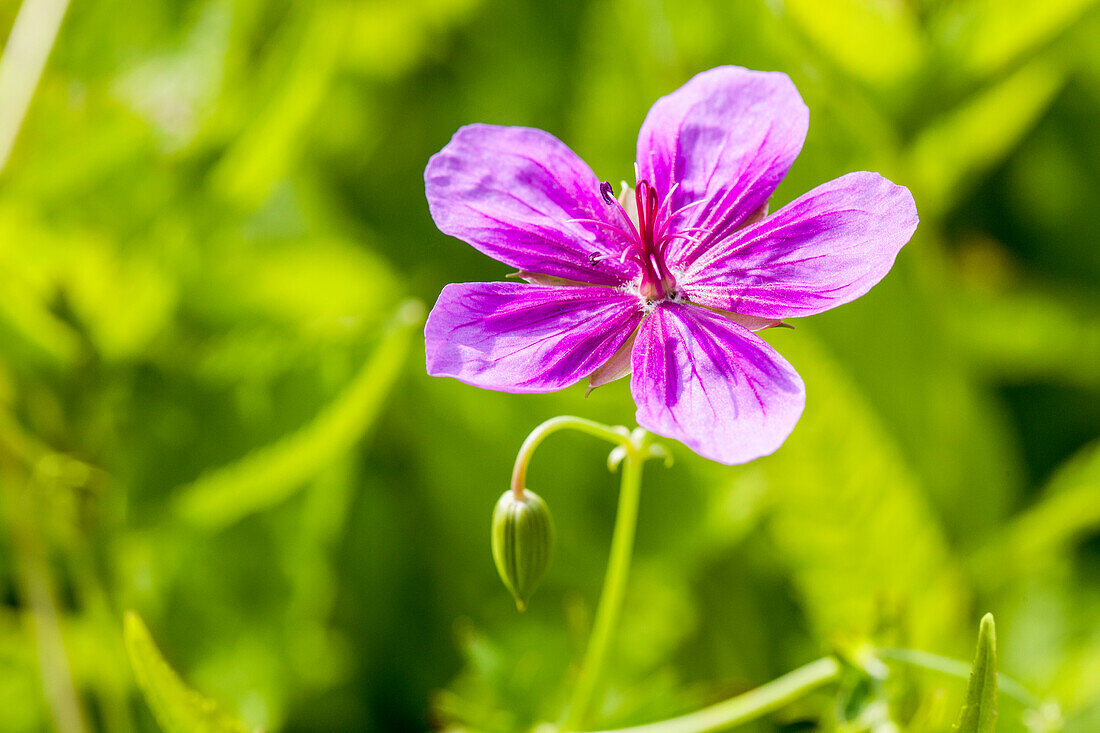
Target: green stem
x,y
19,503
617,435
21,66
955,668
749,706
614,585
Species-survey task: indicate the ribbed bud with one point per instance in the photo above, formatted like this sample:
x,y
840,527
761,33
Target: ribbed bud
x,y
523,540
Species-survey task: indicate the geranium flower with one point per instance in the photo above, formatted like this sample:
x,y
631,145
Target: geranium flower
x,y
670,281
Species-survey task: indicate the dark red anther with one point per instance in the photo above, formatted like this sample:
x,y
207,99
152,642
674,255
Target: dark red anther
x,y
607,192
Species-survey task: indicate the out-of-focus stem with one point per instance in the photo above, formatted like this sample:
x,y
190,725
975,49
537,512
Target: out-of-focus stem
x,y
957,668
29,45
37,592
114,706
749,706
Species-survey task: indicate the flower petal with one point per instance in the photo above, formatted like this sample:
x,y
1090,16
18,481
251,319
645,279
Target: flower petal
x,y
516,337
724,140
822,250
753,323
713,385
617,367
511,193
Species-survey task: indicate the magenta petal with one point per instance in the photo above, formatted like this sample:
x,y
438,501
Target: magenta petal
x,y
822,250
713,385
725,138
511,193
516,337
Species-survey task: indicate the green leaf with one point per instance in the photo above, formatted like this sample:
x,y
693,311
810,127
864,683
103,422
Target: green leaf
x,y
177,708
1067,511
979,713
269,475
28,328
841,495
953,151
983,36
389,37
1030,333
309,286
877,43
267,151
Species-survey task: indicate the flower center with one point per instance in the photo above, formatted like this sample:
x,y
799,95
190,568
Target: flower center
x,y
648,234
652,286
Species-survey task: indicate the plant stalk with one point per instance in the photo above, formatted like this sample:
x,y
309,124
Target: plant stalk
x,y
956,668
749,706
614,590
618,436
29,45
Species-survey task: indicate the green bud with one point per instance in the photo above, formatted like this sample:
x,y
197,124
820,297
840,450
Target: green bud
x,y
523,540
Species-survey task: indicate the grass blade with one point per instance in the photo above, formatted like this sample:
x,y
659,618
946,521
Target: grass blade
x,y
979,713
177,708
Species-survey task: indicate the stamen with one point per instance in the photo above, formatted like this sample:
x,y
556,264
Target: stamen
x,y
604,224
690,233
651,213
639,204
607,193
666,204
692,236
684,208
632,255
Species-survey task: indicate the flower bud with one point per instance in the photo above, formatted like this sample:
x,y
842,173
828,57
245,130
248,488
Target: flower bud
x,y
523,540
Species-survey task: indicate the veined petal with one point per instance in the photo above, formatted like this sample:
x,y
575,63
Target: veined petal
x,y
514,193
516,337
822,250
753,323
722,142
713,385
617,367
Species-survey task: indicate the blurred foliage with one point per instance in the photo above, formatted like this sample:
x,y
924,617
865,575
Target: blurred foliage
x,y
213,238
178,709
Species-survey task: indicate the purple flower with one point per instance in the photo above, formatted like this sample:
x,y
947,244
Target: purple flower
x,y
670,281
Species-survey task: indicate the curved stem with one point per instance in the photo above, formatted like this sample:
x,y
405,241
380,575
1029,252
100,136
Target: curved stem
x,y
614,585
618,436
749,706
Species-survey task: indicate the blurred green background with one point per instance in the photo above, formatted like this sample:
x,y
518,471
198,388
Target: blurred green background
x,y
215,257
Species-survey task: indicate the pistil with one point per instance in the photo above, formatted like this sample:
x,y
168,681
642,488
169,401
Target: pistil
x,y
657,282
